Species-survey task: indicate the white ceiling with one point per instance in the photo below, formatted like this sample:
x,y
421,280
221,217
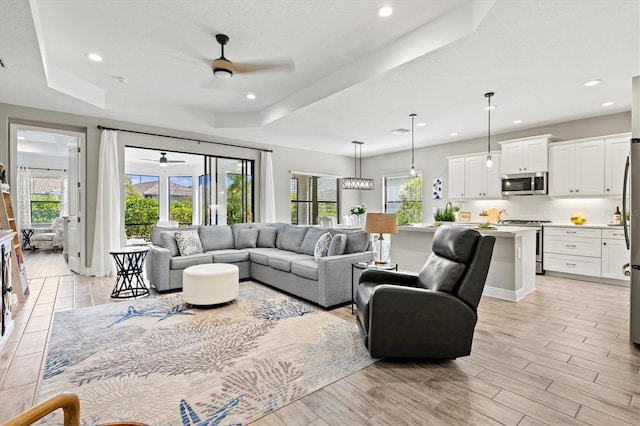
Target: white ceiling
x,y
348,74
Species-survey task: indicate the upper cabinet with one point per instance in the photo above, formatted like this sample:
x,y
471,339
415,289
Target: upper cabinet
x,y
470,178
616,150
527,155
587,167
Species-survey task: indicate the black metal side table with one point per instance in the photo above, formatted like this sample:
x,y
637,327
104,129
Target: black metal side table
x,y
129,282
360,266
27,233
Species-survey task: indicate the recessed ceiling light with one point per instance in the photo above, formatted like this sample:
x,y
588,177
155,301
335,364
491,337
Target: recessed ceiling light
x,y
454,134
21,138
385,11
421,124
593,82
251,96
492,107
608,103
95,57
517,121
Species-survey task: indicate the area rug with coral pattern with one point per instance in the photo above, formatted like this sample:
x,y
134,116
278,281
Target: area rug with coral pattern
x,y
161,362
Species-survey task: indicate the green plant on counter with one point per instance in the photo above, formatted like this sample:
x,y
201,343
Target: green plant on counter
x,y
484,225
436,224
455,207
483,213
444,215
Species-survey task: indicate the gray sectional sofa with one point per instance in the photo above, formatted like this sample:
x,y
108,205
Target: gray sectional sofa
x,y
279,254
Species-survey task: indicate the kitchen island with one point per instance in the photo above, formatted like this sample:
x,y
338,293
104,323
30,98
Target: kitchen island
x,y
512,272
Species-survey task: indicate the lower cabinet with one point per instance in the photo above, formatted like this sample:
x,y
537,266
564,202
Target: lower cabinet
x,y
590,252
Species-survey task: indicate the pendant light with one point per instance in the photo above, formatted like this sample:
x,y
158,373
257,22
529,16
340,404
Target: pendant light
x,y
488,95
357,181
413,172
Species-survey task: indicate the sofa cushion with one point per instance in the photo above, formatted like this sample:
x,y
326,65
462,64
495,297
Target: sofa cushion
x,y
215,237
280,226
292,238
188,242
322,246
305,268
157,231
236,227
357,241
283,260
247,238
261,255
182,262
267,237
167,240
311,238
229,256
337,245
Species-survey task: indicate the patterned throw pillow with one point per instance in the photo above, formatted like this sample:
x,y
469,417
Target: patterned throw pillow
x,y
322,246
188,243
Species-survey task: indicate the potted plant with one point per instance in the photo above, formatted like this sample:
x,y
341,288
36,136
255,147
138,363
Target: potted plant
x,y
357,215
444,215
484,216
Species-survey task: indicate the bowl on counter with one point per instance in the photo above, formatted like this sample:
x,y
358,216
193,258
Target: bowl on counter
x,y
578,220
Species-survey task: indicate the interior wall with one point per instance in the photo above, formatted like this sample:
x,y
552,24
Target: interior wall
x,y
432,162
284,159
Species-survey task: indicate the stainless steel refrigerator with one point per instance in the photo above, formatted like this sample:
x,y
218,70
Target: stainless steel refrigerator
x,y
631,204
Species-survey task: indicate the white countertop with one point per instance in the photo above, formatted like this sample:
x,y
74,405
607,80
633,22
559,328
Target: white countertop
x,y
500,231
590,225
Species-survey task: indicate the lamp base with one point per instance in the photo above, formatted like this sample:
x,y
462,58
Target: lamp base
x,y
380,250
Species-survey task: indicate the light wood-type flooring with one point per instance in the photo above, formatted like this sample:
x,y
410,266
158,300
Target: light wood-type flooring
x,y
561,356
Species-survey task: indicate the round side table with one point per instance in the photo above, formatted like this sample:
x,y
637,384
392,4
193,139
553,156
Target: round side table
x,y
129,282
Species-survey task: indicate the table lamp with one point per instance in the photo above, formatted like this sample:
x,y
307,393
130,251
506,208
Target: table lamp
x,y
381,223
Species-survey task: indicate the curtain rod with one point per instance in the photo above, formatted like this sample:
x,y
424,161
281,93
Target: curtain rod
x,y
184,139
43,168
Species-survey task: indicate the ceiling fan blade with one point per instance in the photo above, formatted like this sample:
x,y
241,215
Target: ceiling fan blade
x,y
278,65
177,161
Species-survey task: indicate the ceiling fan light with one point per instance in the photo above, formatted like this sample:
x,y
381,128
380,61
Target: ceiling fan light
x,y
163,160
222,68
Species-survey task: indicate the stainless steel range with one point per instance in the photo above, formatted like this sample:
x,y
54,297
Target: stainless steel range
x,y
533,224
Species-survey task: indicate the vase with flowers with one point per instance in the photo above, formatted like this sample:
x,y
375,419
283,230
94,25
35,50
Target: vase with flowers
x,y
358,213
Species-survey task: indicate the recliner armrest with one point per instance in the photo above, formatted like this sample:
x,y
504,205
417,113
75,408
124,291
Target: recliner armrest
x,y
389,277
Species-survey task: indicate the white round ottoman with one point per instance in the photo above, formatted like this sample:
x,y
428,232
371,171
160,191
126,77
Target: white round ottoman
x,y
210,284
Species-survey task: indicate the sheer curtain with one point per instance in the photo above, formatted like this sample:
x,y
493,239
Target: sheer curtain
x,y
267,190
23,198
109,232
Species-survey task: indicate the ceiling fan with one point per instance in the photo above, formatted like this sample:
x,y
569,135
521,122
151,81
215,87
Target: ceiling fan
x,y
224,68
164,160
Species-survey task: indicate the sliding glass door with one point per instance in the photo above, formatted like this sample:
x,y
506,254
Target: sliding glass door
x,y
227,193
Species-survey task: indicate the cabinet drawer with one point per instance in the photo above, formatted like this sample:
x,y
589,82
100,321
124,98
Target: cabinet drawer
x,y
580,265
573,232
613,234
574,246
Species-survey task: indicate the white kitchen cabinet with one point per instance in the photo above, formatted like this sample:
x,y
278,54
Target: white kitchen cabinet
x,y
614,254
576,169
527,155
470,178
616,149
572,250
456,178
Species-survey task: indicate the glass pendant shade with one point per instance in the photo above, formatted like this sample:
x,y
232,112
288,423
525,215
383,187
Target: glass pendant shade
x,y
413,172
357,182
489,161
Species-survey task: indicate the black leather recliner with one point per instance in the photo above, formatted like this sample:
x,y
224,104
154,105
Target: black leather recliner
x,y
432,314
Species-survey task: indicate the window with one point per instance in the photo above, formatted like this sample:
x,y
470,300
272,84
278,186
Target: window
x,y
141,204
313,198
403,196
46,195
181,199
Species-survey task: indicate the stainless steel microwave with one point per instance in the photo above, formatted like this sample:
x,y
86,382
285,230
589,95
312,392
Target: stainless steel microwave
x,y
525,184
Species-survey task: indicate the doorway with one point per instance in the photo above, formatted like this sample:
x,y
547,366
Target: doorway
x,y
46,181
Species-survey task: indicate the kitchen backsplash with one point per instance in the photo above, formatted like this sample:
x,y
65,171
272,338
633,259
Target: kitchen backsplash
x,y
599,211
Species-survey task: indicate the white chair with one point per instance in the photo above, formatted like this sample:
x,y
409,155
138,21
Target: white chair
x,y
49,237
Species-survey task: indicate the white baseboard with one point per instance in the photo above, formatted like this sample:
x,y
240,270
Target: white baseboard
x,y
501,293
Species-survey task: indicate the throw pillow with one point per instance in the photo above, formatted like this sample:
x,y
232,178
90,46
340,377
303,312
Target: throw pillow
x,y
247,238
267,237
188,242
338,245
322,246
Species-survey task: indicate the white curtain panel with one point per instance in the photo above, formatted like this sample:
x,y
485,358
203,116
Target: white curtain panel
x,y
23,198
267,189
64,193
109,232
